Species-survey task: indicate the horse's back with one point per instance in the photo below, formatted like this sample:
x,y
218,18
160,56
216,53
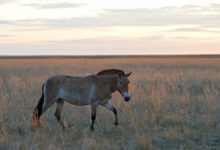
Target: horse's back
x,y
70,83
61,79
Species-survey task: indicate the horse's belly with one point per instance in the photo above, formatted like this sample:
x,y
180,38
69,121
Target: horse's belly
x,y
73,98
76,100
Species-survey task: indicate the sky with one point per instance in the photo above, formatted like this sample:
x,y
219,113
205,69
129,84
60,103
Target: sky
x,y
109,27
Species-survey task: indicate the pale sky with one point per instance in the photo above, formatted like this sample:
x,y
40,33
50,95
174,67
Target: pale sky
x,y
102,27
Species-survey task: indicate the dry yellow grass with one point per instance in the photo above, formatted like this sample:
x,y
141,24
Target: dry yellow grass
x,y
175,105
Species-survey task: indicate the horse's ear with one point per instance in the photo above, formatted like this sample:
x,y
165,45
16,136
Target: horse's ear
x,y
128,74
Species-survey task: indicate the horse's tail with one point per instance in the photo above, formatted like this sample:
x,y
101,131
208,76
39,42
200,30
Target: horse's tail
x,y
38,109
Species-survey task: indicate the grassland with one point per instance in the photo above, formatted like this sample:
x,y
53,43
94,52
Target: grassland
x,y
175,105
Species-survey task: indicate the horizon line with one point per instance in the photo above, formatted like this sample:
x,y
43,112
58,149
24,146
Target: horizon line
x,y
109,56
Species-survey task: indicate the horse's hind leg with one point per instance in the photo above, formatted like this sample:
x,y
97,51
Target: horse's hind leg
x,y
58,112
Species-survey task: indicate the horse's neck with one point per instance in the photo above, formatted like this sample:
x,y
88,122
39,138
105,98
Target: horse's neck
x,y
108,83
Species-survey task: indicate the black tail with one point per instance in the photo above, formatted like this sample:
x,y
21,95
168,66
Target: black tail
x,y
38,109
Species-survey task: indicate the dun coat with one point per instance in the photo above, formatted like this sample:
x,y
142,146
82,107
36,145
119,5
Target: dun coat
x,y
91,90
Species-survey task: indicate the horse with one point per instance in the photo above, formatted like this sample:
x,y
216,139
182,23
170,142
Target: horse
x,y
93,90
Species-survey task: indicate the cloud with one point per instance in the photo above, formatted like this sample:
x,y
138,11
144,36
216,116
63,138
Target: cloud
x,y
214,7
6,1
181,38
114,45
5,35
22,23
146,17
204,16
53,5
156,37
5,22
195,29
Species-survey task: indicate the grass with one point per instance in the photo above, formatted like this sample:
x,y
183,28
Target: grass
x,y
175,105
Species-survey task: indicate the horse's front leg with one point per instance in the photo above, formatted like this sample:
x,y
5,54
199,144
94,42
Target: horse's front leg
x,y
93,116
114,111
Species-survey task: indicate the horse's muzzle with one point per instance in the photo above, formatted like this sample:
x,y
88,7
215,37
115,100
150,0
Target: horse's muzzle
x,y
126,96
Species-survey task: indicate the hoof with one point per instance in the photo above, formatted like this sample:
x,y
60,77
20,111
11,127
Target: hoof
x,y
91,128
116,123
36,124
63,128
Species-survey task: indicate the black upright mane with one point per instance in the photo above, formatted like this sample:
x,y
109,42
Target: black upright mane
x,y
111,71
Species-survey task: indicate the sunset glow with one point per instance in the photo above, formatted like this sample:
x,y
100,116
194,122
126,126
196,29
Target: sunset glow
x,y
65,27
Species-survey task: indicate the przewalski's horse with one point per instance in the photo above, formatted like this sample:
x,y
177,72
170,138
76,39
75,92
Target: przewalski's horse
x,y
91,90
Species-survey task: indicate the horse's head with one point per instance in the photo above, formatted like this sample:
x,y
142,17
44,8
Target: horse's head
x,y
122,85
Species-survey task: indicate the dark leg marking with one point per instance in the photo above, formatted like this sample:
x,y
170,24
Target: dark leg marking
x,y
115,116
114,111
93,116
